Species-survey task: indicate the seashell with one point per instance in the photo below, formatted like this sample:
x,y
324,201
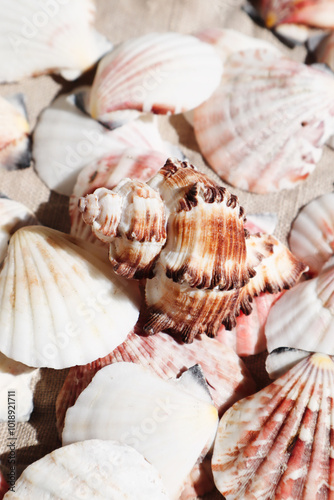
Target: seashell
x,y
4,486
16,389
325,51
57,37
281,360
276,443
247,337
131,218
317,13
128,403
14,133
59,301
261,223
227,377
303,317
108,172
312,233
91,469
73,140
153,73
264,127
13,215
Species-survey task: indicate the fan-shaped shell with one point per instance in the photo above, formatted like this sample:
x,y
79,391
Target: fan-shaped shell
x,y
91,469
107,172
276,444
52,37
13,215
14,133
312,233
264,127
303,317
169,422
60,304
153,73
227,377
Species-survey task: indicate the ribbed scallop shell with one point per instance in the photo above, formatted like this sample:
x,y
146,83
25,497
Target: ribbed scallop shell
x,y
318,13
227,377
170,422
107,172
277,443
304,317
14,133
312,233
98,469
66,140
13,215
60,304
52,37
131,218
160,73
264,127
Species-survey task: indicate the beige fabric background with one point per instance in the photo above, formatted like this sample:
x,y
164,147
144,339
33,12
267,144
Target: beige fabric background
x,y
119,20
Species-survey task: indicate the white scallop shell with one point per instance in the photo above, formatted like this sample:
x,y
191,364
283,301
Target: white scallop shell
x,y
283,359
264,127
13,215
312,233
96,469
60,304
169,422
161,73
304,317
51,37
14,133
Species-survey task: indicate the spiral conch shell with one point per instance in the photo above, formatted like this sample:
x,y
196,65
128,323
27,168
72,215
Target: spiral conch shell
x,y
186,234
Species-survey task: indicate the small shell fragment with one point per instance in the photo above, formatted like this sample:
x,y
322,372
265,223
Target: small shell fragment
x,y
283,359
170,422
61,305
277,443
57,37
97,468
153,73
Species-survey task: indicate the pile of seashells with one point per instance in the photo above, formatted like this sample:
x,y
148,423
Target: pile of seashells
x,y
163,282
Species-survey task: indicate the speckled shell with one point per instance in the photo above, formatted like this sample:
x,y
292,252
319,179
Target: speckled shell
x,y
131,218
264,127
303,318
318,13
171,422
153,73
14,133
98,469
13,215
227,377
312,233
61,304
107,172
277,443
49,38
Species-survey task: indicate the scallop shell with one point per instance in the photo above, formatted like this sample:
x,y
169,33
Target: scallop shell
x,y
283,359
227,377
66,140
169,422
153,73
16,389
108,172
264,127
13,215
59,301
312,233
318,13
303,317
261,223
120,217
276,444
96,469
54,37
14,133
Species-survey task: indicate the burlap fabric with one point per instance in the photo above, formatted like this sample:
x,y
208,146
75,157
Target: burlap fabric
x,y
119,20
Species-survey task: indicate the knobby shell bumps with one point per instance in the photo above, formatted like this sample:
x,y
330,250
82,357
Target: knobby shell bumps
x,y
186,235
